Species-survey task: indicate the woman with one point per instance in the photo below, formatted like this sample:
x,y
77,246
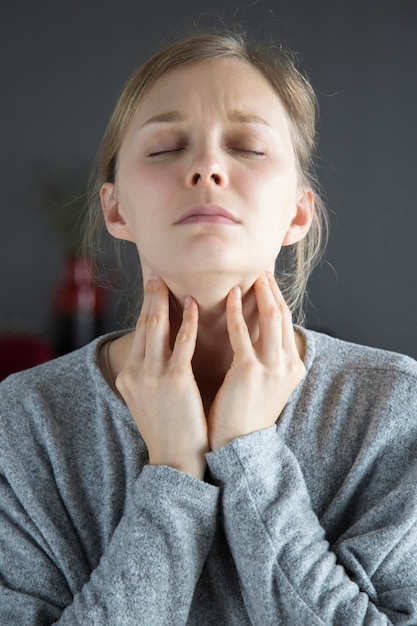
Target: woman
x,y
216,465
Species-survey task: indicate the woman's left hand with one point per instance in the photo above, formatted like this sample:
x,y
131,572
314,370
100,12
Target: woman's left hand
x,y
263,374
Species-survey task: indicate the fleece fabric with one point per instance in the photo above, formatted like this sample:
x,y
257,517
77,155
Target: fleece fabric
x,y
312,521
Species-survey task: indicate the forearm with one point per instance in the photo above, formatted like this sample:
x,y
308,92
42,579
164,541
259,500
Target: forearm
x,y
287,570
151,566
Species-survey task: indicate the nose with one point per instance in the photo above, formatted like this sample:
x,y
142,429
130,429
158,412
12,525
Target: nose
x,y
213,178
207,170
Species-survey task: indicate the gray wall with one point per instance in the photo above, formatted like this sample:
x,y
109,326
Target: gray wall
x,y
63,64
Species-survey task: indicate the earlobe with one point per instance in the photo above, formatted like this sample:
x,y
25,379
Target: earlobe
x,y
301,222
113,217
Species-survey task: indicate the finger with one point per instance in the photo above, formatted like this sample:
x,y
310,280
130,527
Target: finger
x,y
288,339
185,341
270,319
139,339
157,323
236,325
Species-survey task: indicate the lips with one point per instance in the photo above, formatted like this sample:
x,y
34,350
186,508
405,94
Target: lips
x,y
207,213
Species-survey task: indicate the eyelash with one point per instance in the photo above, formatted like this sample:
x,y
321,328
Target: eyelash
x,y
162,152
254,152
258,153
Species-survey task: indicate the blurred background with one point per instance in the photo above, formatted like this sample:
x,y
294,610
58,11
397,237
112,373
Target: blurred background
x,y
62,66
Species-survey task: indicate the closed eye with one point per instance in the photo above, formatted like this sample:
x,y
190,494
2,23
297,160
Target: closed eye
x,y
173,151
164,152
248,151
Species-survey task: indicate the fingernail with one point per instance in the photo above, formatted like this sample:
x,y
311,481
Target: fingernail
x,y
237,292
187,302
153,276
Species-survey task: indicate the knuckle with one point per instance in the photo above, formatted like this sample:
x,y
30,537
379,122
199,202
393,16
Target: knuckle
x,y
125,381
296,370
182,336
272,312
239,327
152,321
177,373
249,366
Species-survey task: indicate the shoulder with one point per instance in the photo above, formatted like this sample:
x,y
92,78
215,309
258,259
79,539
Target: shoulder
x,y
54,390
335,356
54,377
346,378
61,415
354,415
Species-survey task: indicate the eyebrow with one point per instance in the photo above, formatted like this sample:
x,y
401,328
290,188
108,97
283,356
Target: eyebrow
x,y
246,117
167,117
241,117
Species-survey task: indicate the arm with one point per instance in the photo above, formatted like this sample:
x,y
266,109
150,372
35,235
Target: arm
x,y
159,388
151,565
147,574
287,570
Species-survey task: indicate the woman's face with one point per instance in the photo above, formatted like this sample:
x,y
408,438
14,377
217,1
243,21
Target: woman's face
x,y
206,185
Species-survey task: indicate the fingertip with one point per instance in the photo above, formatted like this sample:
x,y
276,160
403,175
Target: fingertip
x,y
190,311
190,305
234,299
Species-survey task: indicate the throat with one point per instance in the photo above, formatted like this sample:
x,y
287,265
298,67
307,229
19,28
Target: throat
x,y
209,382
210,368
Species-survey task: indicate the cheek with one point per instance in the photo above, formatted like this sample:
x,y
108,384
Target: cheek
x,y
276,210
276,180
138,198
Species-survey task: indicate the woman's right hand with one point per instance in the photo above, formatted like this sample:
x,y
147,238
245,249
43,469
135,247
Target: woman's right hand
x,y
159,387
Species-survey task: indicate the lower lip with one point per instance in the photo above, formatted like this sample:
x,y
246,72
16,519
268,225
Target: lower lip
x,y
209,219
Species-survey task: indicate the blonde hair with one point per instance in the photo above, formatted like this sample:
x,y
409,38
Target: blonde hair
x,y
295,263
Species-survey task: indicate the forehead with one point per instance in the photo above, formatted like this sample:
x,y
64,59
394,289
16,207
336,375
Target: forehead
x,y
226,84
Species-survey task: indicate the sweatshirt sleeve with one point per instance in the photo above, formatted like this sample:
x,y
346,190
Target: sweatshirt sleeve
x,y
146,576
288,571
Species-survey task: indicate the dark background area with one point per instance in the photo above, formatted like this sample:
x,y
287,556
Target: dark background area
x,y
63,64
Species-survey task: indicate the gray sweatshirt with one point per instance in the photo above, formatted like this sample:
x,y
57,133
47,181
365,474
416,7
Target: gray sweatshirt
x,y
312,521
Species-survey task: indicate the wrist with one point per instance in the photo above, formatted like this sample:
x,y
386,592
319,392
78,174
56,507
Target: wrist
x,y
194,467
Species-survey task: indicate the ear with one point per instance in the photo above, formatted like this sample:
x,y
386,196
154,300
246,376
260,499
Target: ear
x,y
113,216
301,222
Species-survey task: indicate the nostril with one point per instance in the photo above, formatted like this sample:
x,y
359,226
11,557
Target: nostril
x,y
216,178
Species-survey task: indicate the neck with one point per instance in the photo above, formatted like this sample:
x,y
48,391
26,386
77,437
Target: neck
x,y
212,346
213,353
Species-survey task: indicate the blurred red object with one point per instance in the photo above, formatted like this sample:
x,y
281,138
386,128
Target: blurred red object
x,y
19,352
78,307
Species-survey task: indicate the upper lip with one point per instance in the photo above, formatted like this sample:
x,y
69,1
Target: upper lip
x,y
207,209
